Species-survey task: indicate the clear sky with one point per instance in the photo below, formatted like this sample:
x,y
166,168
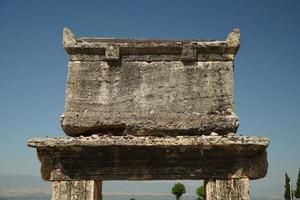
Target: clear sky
x,y
267,70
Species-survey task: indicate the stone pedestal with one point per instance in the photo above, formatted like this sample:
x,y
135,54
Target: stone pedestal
x,y
225,162
230,189
76,190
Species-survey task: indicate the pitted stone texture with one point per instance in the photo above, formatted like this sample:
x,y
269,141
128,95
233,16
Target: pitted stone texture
x,y
149,87
230,189
151,158
77,190
226,141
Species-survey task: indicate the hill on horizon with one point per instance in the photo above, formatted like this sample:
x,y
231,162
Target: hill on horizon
x,y
26,185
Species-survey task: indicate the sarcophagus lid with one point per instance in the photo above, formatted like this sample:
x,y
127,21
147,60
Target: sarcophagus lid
x,y
149,87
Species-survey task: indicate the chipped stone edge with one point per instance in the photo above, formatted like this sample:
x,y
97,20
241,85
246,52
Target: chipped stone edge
x,y
129,140
70,41
234,38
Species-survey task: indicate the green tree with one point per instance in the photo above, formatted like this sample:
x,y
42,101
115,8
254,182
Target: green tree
x,y
297,191
200,191
178,190
287,192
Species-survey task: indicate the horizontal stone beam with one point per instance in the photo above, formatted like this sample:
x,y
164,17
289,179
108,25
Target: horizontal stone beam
x,y
151,158
111,49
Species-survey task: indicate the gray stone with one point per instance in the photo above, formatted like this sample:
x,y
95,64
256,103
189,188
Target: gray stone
x,y
149,87
77,190
151,158
214,134
231,189
230,134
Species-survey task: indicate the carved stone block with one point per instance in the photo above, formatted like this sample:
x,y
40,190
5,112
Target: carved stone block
x,y
149,87
151,158
77,190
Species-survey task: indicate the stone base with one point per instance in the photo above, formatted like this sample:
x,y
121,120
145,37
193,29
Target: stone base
x,y
151,158
226,163
76,190
231,189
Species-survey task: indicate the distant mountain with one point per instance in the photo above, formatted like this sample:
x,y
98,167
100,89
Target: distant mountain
x,y
22,181
147,187
25,185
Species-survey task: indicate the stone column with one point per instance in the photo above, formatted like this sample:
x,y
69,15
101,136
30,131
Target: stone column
x,y
76,190
231,189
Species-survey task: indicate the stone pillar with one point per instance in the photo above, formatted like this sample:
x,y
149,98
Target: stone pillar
x,y
231,189
76,190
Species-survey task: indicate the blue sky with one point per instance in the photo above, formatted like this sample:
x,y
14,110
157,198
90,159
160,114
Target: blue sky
x,y
267,70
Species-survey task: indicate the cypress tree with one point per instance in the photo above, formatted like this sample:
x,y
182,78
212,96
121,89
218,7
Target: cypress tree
x,y
287,192
297,191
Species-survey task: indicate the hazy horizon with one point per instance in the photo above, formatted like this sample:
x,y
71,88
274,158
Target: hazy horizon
x,y
27,185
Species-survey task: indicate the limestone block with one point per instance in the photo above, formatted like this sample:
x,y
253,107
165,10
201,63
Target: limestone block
x,y
151,158
231,189
77,190
149,87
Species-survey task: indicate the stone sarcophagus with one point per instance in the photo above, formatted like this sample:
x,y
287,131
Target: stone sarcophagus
x,y
150,110
149,87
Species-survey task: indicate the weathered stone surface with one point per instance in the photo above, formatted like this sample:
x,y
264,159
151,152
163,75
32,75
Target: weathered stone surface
x,y
150,110
151,158
231,189
77,190
149,87
204,141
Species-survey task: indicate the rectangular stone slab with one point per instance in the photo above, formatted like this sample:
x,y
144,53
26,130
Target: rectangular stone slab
x,y
149,87
151,158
